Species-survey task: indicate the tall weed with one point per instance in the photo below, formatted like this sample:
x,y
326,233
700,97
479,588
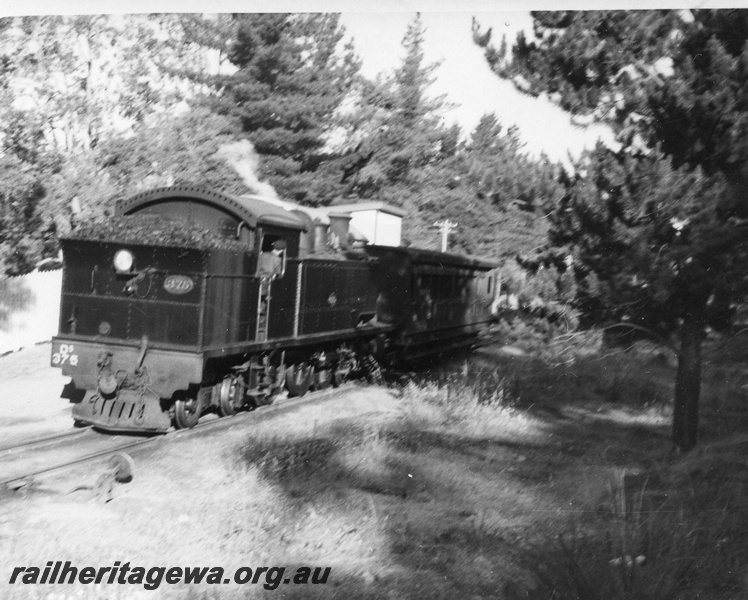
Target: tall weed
x,y
476,404
644,544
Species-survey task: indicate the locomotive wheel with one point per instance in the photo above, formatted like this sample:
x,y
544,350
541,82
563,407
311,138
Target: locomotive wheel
x,y
322,379
299,379
230,396
186,413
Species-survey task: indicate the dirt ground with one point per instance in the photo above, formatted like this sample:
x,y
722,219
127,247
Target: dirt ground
x,y
30,403
484,477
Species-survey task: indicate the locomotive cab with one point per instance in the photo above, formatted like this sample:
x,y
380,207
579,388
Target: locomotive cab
x,y
156,297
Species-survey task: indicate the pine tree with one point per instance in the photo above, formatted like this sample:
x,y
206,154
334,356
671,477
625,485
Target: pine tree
x,y
173,150
290,81
70,85
401,140
415,134
496,193
21,237
657,226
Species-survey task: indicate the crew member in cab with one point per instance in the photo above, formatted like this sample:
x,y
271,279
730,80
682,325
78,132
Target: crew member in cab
x,y
270,265
271,261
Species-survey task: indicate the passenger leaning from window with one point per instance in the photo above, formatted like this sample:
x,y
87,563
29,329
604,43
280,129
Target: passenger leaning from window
x,y
271,262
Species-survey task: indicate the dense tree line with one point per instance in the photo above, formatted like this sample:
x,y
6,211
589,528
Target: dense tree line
x,y
657,226
98,107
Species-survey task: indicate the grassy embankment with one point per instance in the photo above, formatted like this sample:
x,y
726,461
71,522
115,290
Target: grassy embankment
x,y
513,478
498,477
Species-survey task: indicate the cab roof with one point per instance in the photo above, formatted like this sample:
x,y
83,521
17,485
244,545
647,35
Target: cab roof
x,y
250,209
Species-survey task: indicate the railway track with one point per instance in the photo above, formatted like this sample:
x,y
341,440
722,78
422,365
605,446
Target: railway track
x,y
29,459
41,441
24,464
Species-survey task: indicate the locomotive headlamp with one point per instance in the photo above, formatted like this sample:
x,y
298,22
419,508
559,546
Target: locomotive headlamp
x,y
123,261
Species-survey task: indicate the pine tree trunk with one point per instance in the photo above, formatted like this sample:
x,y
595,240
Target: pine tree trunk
x,y
688,383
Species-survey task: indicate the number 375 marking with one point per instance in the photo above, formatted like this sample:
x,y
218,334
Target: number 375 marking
x,y
65,355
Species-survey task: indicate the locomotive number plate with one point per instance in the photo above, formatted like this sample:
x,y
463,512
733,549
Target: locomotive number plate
x,y
178,284
65,355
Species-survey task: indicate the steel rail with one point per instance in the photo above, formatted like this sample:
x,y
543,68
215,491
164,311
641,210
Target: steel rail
x,y
47,439
260,414
71,463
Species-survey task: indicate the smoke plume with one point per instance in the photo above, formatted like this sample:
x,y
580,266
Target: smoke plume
x,y
242,157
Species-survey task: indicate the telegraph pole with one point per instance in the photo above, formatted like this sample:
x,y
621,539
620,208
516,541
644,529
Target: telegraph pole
x,y
445,228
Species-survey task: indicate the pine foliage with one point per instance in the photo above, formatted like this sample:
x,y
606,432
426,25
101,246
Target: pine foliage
x,y
96,108
291,78
658,227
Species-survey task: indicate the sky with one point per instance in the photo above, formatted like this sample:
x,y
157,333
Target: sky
x,y
463,76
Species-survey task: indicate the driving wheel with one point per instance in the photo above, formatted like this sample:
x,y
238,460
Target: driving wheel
x,y
186,413
230,396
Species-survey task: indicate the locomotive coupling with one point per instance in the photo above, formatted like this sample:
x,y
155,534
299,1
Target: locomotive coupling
x,y
122,401
106,382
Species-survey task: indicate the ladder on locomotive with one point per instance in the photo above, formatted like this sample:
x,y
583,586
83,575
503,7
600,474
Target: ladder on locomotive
x,y
263,310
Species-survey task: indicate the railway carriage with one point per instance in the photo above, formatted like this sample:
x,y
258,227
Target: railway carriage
x,y
166,312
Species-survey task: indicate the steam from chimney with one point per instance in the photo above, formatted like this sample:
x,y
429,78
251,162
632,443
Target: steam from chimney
x,y
242,157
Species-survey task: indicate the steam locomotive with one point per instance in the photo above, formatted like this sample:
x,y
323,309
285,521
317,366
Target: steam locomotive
x,y
169,310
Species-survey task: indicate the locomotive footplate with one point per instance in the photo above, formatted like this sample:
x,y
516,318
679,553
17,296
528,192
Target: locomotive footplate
x,y
129,410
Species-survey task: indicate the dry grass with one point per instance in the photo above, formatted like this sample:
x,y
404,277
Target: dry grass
x,y
494,477
666,525
645,544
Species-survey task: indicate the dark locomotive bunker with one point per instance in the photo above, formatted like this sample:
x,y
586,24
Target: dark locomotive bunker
x,y
165,313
